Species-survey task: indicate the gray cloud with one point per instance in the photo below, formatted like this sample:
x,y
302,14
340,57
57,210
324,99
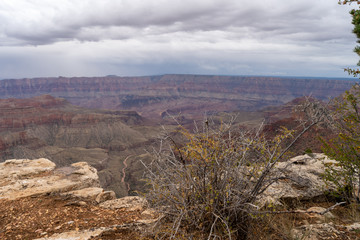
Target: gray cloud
x,y
132,37
46,22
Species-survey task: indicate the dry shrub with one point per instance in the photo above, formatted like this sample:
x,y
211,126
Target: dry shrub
x,y
210,185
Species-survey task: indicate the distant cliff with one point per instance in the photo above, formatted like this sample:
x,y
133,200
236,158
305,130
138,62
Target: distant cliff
x,y
151,96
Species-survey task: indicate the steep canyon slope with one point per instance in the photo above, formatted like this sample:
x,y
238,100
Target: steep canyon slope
x,y
50,127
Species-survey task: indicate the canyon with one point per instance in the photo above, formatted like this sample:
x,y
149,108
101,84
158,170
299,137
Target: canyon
x,y
50,127
191,96
114,123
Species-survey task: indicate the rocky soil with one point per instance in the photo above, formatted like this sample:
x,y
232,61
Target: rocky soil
x,y
46,217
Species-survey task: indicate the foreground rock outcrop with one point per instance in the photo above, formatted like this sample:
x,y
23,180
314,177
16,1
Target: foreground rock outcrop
x,y
329,230
300,178
24,178
40,201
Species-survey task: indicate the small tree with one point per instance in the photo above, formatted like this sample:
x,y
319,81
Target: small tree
x,y
355,13
345,148
210,185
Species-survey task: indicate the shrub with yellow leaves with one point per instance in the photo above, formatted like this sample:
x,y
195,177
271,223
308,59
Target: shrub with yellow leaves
x,y
210,184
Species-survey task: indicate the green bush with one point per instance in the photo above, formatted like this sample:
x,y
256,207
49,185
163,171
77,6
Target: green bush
x,y
345,148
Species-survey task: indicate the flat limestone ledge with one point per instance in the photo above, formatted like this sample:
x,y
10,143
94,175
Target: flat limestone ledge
x,y
23,177
24,168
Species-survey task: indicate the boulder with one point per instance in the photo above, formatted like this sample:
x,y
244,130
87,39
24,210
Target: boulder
x,y
130,203
150,216
320,231
300,179
24,177
97,232
105,196
86,193
78,235
353,227
315,212
24,168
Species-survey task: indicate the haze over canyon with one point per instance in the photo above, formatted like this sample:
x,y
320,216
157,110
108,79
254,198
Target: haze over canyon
x,y
190,95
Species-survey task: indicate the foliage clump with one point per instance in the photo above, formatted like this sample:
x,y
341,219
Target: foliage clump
x,y
355,13
345,148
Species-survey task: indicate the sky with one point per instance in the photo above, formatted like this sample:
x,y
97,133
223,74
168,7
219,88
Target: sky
x,y
75,38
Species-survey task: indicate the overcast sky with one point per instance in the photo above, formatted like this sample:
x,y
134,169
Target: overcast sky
x,y
48,38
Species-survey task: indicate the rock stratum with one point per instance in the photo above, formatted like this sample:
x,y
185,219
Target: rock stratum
x,y
190,95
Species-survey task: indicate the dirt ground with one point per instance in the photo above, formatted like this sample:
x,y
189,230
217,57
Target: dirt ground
x,y
43,216
35,217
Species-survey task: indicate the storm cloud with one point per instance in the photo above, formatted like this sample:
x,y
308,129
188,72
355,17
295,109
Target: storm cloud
x,y
142,37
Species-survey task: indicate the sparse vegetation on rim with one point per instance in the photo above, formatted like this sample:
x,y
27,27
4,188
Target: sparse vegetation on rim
x,y
211,184
345,148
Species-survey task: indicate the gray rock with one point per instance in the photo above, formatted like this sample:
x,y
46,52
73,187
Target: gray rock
x,y
75,235
353,227
130,203
105,196
24,177
319,232
301,180
320,217
86,193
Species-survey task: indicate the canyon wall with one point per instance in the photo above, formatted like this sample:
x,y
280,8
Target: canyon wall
x,y
191,95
